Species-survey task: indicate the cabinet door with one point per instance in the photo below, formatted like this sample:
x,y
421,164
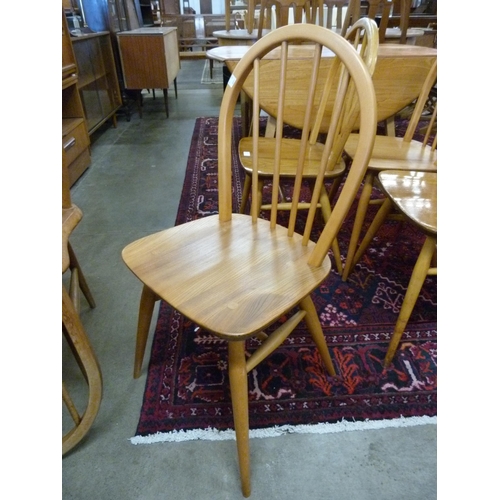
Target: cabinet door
x,y
98,82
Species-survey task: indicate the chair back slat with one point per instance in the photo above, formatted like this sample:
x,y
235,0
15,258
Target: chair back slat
x,y
421,102
313,83
279,130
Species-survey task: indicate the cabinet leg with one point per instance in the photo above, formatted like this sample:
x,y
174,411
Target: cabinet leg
x,y
165,98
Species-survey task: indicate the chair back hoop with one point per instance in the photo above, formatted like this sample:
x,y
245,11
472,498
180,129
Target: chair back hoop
x,y
423,96
366,30
353,74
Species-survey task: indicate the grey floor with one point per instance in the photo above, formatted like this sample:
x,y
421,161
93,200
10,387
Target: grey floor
x,y
133,189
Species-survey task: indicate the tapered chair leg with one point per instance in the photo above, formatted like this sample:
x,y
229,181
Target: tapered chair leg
x,y
82,282
420,272
364,200
379,219
146,307
239,398
91,370
314,326
246,193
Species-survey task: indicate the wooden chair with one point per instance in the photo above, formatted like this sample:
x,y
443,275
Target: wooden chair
x,y
253,271
73,328
302,11
364,37
414,194
381,10
402,153
332,7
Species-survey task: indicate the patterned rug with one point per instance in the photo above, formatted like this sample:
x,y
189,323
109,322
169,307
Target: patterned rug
x,y
187,384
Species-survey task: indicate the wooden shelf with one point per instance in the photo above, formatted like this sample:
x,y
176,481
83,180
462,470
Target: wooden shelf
x,y
97,78
75,137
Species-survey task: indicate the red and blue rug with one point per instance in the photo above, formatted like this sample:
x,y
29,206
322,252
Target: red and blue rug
x,y
187,385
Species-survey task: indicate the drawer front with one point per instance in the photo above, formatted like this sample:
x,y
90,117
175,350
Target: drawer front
x,y
74,143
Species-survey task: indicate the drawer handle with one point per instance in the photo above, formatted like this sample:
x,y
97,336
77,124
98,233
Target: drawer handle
x,y
68,145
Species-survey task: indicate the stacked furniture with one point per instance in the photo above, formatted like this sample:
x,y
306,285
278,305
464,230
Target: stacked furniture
x,y
75,137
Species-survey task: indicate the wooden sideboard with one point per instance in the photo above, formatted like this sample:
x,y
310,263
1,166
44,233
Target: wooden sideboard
x,y
150,59
75,137
97,78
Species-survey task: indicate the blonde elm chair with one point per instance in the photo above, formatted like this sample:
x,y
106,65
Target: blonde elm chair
x,y
280,11
253,271
73,328
364,37
414,194
400,153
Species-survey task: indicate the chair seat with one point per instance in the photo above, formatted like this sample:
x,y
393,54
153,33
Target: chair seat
x,y
389,153
210,270
402,186
289,158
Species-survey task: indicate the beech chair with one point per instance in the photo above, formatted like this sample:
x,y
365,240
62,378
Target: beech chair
x,y
414,194
302,12
363,36
332,7
398,153
382,10
73,328
252,271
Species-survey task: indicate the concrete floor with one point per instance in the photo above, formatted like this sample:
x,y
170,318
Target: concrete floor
x,y
132,189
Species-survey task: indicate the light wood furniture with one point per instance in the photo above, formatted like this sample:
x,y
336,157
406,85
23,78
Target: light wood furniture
x,y
73,329
301,10
251,271
97,78
75,137
414,194
364,37
382,10
150,59
403,153
333,7
399,75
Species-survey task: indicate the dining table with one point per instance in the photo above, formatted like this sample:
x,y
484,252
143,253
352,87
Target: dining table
x,y
399,74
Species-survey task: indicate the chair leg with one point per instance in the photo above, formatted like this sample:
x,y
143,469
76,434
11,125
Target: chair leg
x,y
364,200
239,398
314,326
414,286
80,342
379,219
246,193
146,307
82,282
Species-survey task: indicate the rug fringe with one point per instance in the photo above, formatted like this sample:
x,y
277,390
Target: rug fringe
x,y
322,428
